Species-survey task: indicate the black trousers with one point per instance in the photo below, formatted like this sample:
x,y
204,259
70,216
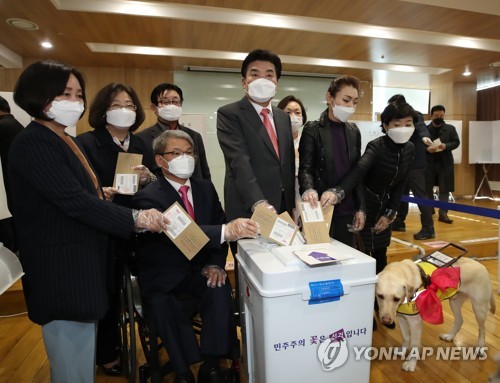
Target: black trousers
x,y
218,334
416,183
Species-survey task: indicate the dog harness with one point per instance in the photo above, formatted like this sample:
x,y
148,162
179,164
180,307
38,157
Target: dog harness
x,y
426,270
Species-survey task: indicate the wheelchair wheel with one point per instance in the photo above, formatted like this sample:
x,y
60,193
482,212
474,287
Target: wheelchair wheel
x,y
127,324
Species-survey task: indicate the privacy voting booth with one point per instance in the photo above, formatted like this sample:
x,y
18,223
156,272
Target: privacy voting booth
x,y
301,323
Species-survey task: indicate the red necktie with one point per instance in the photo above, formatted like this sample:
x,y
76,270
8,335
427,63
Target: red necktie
x,y
270,130
183,190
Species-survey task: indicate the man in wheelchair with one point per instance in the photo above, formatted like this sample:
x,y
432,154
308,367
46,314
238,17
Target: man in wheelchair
x,y
164,272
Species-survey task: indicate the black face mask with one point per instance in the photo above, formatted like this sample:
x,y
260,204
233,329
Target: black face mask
x,y
438,121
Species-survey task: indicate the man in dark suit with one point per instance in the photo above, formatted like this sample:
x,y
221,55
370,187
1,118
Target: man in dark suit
x,y
166,103
9,128
164,271
260,160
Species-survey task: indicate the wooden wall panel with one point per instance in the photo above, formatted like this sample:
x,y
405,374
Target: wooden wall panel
x,y
142,80
459,99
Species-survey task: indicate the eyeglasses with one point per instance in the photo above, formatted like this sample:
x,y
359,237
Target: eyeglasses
x,y
165,102
177,153
115,106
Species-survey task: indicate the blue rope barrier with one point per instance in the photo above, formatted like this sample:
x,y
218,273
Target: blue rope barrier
x,y
476,210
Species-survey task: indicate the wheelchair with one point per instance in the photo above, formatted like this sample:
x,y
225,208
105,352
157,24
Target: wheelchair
x,y
134,322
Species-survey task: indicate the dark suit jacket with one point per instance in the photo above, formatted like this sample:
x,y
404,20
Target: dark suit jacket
x,y
201,169
9,128
449,136
162,266
103,155
253,170
62,228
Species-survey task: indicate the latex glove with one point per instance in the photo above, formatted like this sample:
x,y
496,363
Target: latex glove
x,y
358,222
427,141
216,276
328,198
265,204
144,174
109,192
151,220
311,196
382,224
241,228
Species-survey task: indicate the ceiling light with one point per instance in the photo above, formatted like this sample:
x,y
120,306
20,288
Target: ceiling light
x,y
46,44
22,24
467,72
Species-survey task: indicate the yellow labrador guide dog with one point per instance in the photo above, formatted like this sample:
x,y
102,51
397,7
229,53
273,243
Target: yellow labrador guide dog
x,y
398,284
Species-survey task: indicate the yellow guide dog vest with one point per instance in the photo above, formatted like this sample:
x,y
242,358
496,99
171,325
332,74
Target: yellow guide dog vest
x,y
410,308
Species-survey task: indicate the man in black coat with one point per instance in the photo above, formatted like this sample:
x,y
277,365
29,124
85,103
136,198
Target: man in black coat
x,y
9,128
441,172
164,271
166,103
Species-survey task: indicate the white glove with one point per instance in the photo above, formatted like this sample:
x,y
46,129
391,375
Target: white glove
x,y
358,222
109,192
241,228
151,220
216,276
328,198
311,196
427,141
264,203
144,174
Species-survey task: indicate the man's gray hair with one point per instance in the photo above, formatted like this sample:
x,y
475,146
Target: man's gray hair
x,y
160,142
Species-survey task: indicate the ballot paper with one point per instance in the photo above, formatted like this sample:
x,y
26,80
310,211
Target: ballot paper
x,y
184,232
277,228
316,222
436,143
126,179
320,256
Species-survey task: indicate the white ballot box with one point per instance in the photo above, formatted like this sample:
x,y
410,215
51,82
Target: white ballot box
x,y
304,323
10,268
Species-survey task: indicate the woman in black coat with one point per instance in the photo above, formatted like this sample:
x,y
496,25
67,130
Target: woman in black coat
x,y
383,170
329,148
62,221
115,114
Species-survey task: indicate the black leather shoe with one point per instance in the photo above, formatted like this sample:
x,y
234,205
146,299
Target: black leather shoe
x,y
210,375
114,370
423,234
443,217
398,225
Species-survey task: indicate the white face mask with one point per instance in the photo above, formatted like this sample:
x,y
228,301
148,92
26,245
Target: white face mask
x,y
261,90
66,112
170,112
182,166
121,118
400,135
297,122
342,112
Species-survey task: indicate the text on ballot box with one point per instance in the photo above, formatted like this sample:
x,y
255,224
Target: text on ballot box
x,y
300,323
